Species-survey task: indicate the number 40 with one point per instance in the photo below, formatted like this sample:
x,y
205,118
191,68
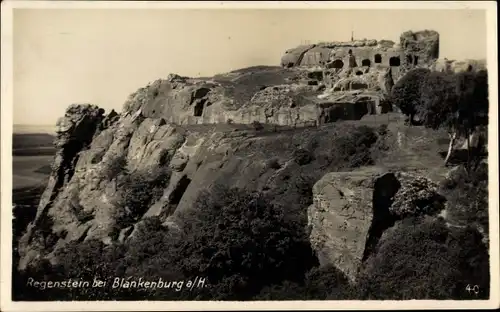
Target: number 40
x,y
474,289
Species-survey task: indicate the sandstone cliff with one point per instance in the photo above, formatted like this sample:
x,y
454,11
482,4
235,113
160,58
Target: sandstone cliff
x,y
351,210
247,128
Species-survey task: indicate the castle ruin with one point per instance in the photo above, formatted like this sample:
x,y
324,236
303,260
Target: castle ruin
x,y
413,49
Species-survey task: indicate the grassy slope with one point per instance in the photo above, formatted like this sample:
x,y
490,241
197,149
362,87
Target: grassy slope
x,y
246,168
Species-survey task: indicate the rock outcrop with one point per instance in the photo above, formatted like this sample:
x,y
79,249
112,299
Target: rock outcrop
x,y
351,210
170,126
186,101
75,132
293,57
421,47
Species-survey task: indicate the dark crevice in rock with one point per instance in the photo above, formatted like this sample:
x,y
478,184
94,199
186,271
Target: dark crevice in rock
x,y
164,158
383,191
84,235
179,190
97,158
301,56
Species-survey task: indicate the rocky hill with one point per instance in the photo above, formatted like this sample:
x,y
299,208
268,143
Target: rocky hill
x,y
344,167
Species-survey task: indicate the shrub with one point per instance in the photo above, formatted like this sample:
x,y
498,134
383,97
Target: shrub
x,y
284,291
302,156
257,125
423,259
327,283
116,166
140,189
273,163
467,195
242,243
85,261
382,130
354,147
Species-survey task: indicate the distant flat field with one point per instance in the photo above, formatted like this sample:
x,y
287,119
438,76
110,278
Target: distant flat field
x,y
33,153
31,129
24,170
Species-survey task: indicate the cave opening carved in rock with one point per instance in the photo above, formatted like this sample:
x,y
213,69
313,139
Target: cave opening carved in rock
x,y
378,58
365,62
394,61
337,64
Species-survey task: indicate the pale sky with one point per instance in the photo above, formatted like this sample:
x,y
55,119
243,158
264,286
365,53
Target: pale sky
x,y
100,56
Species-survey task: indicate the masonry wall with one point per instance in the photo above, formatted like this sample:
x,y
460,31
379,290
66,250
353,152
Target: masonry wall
x,y
415,48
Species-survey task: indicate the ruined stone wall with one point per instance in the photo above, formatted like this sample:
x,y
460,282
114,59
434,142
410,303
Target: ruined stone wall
x,y
414,49
420,47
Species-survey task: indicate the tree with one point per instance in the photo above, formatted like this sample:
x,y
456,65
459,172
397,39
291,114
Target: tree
x,y
439,105
457,102
472,97
406,93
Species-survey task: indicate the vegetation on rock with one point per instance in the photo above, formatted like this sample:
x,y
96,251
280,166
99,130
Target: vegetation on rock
x,y
250,240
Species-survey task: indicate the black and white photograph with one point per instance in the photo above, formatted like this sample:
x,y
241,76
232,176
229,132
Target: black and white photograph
x,y
220,153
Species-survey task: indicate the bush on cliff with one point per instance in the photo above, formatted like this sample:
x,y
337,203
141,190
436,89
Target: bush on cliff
x,y
236,240
354,149
325,283
116,166
424,259
241,243
467,196
138,190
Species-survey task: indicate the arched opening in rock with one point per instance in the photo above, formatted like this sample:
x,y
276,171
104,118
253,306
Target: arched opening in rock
x,y
337,64
180,188
378,58
359,73
384,190
198,94
394,61
365,62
